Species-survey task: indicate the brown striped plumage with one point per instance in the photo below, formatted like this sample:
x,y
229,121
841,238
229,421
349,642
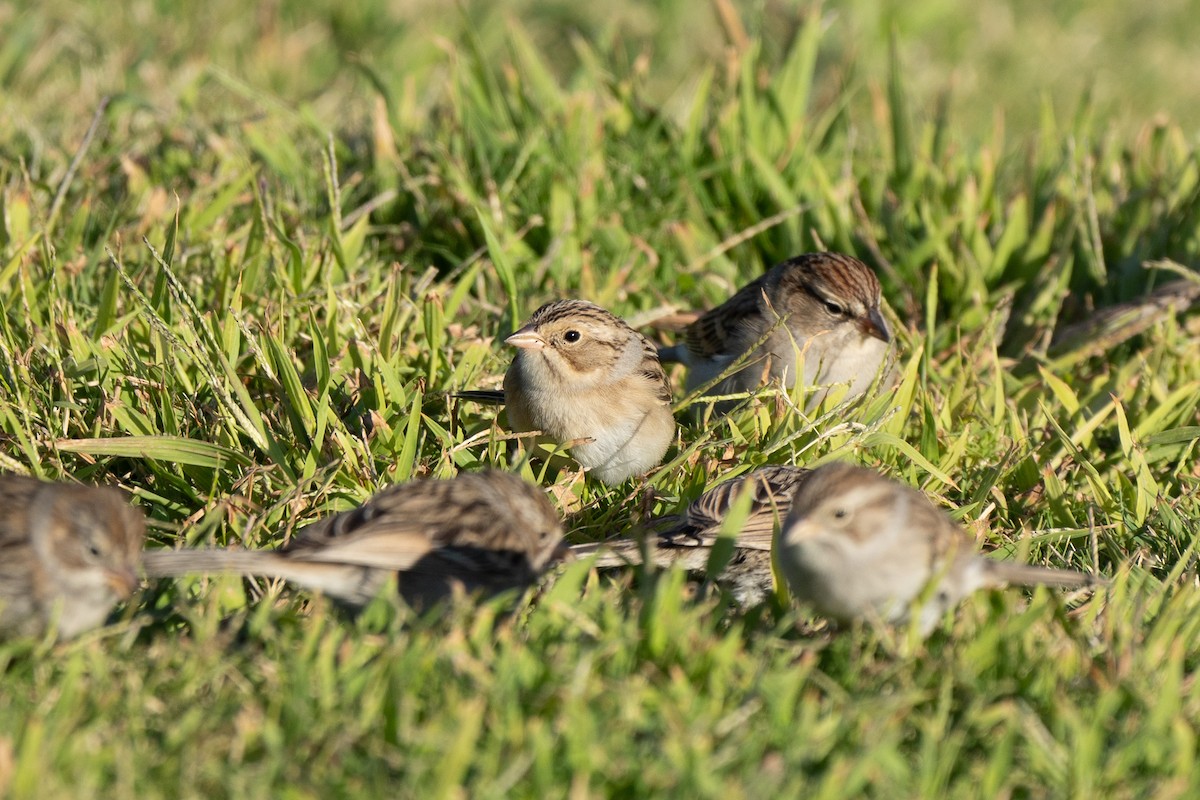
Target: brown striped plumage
x,y
481,532
686,540
772,488
68,554
821,307
857,545
583,377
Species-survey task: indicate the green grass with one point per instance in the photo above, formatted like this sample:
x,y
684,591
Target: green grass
x,y
245,297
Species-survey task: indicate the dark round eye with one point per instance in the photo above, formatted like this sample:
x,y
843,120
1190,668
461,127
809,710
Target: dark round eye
x,y
834,308
840,513
570,337
94,549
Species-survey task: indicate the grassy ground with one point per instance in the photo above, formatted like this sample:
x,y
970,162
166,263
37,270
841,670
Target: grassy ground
x,y
293,228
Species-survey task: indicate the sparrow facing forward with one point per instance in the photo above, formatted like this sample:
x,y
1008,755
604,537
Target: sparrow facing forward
x,y
68,554
857,545
583,377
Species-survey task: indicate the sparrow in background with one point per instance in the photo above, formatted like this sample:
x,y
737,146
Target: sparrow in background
x,y
482,532
821,307
584,378
68,554
858,545
687,539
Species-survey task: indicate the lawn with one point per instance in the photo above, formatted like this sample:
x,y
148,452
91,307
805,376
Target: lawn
x,y
246,253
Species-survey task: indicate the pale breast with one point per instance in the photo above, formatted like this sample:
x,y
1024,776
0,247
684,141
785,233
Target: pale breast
x,y
834,357
847,578
632,447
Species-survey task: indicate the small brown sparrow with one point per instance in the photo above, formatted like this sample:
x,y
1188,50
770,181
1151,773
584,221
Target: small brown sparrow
x,y
68,554
858,545
687,539
822,307
481,532
584,378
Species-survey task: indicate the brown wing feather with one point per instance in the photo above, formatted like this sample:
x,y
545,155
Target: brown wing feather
x,y
773,488
652,370
715,333
422,525
16,493
392,530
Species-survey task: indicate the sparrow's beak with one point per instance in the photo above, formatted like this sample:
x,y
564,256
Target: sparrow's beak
x,y
563,553
804,528
122,581
875,325
526,339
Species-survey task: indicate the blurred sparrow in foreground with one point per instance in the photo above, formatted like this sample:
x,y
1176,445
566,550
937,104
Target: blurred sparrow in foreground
x,y
68,554
586,380
688,538
820,307
481,532
859,545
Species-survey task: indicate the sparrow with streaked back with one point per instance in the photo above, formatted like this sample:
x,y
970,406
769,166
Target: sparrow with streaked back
x,y
823,308
686,540
479,533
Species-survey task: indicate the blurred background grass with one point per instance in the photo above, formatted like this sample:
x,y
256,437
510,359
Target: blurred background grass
x,y
996,63
1003,100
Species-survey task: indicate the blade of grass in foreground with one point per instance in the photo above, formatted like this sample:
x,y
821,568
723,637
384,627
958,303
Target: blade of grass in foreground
x,y
169,449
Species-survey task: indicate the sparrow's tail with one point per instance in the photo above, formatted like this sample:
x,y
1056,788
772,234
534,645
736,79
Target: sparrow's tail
x,y
173,563
628,553
490,397
352,584
672,354
1013,573
619,553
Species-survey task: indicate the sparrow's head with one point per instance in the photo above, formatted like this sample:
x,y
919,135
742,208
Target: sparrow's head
x,y
580,343
832,292
840,500
88,538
